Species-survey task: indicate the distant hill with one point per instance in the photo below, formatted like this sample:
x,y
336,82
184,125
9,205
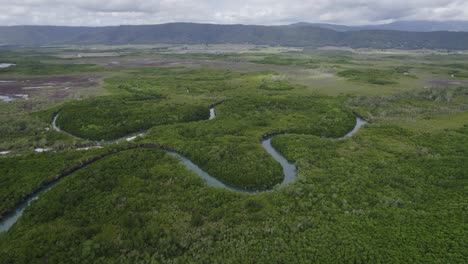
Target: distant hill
x,y
301,35
414,26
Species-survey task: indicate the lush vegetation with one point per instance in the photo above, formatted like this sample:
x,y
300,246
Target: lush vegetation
x,y
114,117
393,193
23,131
336,58
367,199
22,176
229,146
289,61
375,76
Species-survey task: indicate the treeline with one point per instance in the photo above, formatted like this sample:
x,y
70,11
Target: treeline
x,y
169,81
427,104
376,76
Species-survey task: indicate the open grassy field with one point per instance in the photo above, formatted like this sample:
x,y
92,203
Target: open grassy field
x,y
393,193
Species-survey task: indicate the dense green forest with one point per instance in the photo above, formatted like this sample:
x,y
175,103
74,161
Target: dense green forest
x,y
352,197
111,118
374,76
18,180
228,146
394,192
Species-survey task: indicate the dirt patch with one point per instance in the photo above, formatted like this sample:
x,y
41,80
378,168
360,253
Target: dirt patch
x,y
449,82
240,65
151,62
88,55
55,86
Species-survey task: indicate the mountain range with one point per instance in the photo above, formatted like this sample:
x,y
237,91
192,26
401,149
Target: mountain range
x,y
299,35
415,26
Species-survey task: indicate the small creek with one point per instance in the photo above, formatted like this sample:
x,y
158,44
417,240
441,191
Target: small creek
x,y
12,97
359,123
289,171
6,65
10,219
212,113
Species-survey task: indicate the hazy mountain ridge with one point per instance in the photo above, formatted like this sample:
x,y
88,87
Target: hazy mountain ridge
x,y
414,26
191,33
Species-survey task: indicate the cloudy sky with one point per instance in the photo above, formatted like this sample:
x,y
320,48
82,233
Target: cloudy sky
x,y
265,12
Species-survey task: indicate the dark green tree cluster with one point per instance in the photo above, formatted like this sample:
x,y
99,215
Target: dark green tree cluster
x,y
114,117
21,176
373,76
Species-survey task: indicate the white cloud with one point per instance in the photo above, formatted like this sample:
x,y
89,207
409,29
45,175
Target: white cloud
x,y
117,12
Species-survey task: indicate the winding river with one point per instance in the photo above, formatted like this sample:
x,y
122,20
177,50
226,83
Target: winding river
x,y
289,170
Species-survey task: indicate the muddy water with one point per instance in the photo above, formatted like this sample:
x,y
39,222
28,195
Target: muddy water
x,y
10,219
210,181
212,113
12,97
6,65
54,123
6,98
289,169
359,123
